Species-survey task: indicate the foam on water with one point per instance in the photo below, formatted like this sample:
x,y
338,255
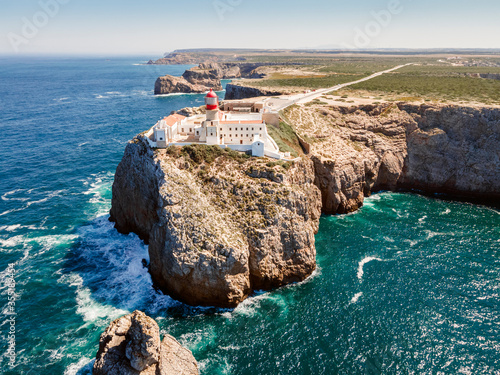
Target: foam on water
x,y
362,263
7,195
120,258
356,297
83,367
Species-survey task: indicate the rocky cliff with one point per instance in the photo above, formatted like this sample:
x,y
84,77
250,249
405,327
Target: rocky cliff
x,y
242,92
432,148
131,346
206,76
219,224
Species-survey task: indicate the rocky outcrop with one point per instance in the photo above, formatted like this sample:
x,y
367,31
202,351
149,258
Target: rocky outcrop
x,y
131,346
183,58
432,148
242,92
219,225
453,150
206,76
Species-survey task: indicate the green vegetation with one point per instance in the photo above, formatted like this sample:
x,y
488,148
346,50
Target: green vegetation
x,y
286,138
309,82
445,83
284,164
199,154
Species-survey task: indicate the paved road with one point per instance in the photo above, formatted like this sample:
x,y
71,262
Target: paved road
x,y
286,101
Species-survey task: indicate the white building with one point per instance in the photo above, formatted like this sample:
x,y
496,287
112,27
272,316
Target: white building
x,y
236,130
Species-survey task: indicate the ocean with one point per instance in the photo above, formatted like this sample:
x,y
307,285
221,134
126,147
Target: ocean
x,y
406,285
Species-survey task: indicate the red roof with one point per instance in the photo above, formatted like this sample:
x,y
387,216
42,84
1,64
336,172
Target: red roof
x,y
173,119
211,94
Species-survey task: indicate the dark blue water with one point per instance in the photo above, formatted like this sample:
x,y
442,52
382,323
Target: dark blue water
x,y
406,285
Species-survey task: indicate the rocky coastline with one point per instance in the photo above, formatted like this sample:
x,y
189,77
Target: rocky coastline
x,y
220,226
206,76
131,345
234,92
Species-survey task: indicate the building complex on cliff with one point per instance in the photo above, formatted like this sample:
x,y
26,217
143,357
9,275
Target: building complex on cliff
x,y
237,128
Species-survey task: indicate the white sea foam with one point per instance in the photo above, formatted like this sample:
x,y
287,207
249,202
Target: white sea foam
x,y
356,297
10,228
82,367
431,234
99,186
87,307
422,219
127,285
13,228
12,241
7,196
362,263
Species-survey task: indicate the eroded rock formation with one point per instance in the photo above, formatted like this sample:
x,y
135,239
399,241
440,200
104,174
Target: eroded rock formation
x,y
432,148
218,225
206,76
242,92
131,346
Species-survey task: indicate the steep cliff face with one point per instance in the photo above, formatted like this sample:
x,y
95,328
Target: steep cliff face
x,y
432,148
204,77
218,225
234,92
453,150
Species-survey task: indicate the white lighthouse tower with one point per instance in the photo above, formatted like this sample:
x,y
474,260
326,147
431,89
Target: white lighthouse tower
x,y
211,125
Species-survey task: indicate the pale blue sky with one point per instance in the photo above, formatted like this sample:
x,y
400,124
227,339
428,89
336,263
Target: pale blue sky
x,y
152,27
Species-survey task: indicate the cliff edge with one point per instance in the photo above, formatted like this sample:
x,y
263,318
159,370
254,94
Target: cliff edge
x,y
219,225
206,76
430,148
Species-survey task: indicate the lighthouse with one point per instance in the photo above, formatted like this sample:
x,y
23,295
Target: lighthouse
x,y
212,104
210,132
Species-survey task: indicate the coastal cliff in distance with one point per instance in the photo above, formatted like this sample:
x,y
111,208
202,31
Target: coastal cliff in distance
x,y
219,225
206,76
234,92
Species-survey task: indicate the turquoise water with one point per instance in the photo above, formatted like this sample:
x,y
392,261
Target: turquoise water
x,y
408,284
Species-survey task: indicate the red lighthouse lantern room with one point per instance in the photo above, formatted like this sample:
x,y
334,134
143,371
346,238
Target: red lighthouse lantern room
x,y
212,101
